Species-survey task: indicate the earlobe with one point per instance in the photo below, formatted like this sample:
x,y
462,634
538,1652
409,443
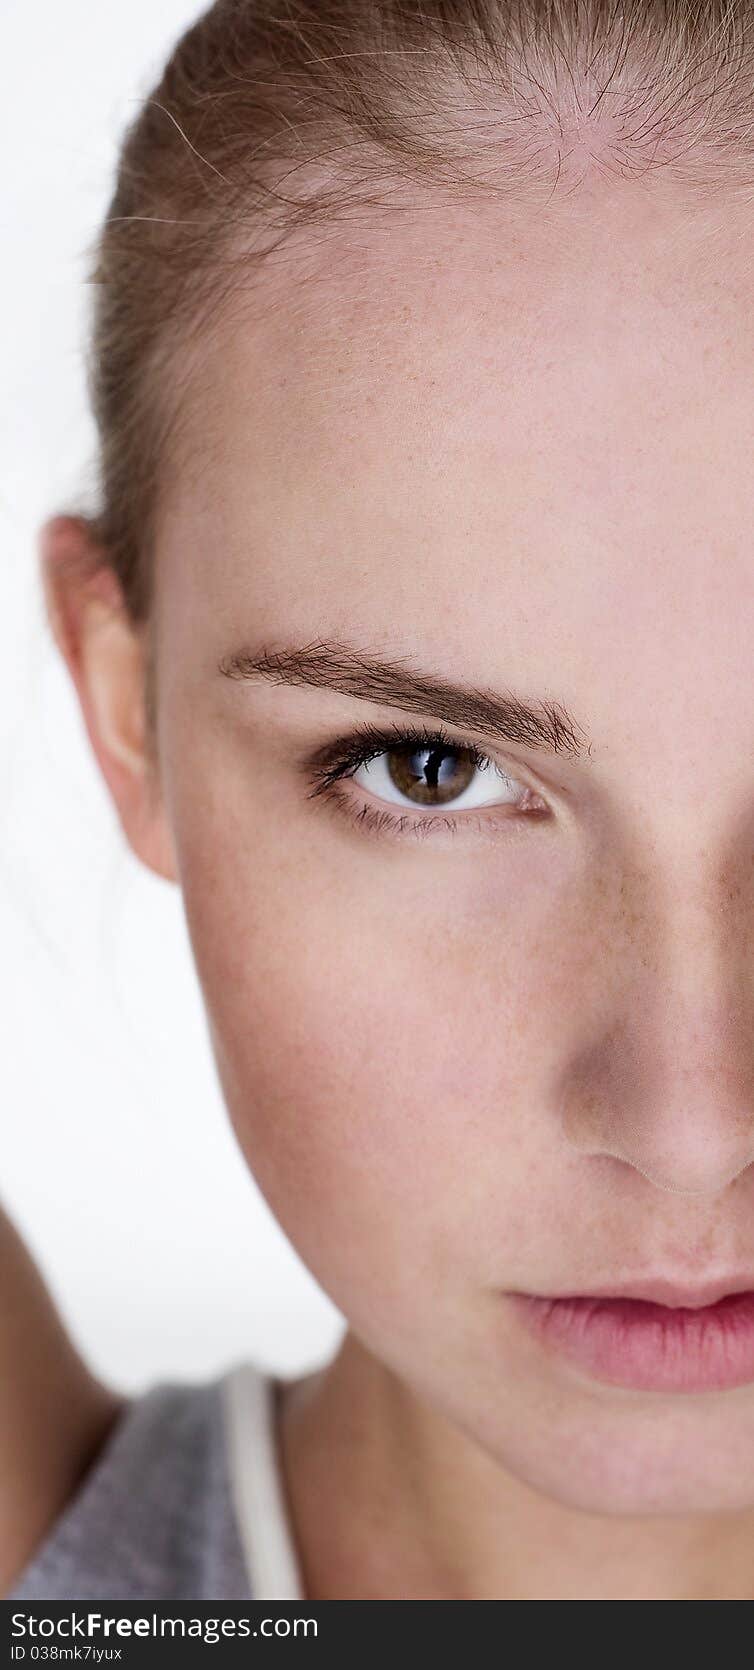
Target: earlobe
x,y
105,652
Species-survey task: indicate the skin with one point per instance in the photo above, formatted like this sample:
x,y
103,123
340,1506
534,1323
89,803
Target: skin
x,y
514,449
54,1413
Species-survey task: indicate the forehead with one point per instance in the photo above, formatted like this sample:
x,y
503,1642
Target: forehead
x,y
484,437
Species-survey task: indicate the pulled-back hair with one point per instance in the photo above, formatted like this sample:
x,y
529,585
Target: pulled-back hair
x,y
281,116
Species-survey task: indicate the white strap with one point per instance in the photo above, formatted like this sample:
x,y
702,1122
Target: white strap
x,y
257,1486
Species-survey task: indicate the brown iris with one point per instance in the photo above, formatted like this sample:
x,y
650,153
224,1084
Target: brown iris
x,y
431,776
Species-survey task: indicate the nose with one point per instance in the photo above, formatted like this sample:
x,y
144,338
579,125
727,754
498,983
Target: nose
x,y
665,1082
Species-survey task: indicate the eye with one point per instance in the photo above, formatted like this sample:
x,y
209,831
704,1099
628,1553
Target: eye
x,y
423,770
421,774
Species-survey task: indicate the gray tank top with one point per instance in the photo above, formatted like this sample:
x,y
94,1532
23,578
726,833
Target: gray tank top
x,y
184,1502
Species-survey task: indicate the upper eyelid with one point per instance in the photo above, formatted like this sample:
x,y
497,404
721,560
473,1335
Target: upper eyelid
x,y
482,762
342,757
402,739
369,741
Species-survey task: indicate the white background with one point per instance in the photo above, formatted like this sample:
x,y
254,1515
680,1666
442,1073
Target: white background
x,y
117,1160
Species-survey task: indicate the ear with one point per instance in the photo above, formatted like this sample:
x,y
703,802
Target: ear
x,y
106,656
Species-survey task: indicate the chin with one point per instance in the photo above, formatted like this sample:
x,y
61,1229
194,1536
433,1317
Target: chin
x,y
645,1457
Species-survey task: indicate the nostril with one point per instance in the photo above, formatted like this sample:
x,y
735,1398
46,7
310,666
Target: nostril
x,y
676,1172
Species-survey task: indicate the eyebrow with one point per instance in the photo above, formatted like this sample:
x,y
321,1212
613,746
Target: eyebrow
x,y
545,726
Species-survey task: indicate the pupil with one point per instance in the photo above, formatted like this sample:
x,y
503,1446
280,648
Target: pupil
x,y
436,768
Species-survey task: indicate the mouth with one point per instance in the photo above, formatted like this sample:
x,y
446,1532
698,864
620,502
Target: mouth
x,y
657,1336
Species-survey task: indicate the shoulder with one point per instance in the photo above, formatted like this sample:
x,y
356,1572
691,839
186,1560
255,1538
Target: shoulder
x,y
55,1414
152,1517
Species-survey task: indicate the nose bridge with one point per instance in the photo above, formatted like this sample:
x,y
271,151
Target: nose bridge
x,y
667,1084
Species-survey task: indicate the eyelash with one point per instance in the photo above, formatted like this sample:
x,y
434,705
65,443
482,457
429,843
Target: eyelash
x,y
342,758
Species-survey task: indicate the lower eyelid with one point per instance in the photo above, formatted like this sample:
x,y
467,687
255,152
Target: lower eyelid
x,y
380,819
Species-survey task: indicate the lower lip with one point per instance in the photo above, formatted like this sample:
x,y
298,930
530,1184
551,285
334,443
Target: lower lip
x,y
652,1348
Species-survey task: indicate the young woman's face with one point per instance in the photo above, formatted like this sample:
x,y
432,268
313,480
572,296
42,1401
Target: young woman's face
x,y
486,1030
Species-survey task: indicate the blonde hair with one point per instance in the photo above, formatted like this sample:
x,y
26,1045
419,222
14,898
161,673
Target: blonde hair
x,y
273,116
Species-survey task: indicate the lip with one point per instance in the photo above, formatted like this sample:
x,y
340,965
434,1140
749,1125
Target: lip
x,y
652,1336
662,1290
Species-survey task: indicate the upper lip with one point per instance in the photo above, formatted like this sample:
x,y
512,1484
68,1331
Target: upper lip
x,y
663,1291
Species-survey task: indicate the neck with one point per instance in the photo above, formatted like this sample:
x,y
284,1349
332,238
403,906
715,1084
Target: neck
x,y
389,1501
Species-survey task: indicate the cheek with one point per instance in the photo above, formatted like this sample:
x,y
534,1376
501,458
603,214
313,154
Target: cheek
x,y
380,1063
